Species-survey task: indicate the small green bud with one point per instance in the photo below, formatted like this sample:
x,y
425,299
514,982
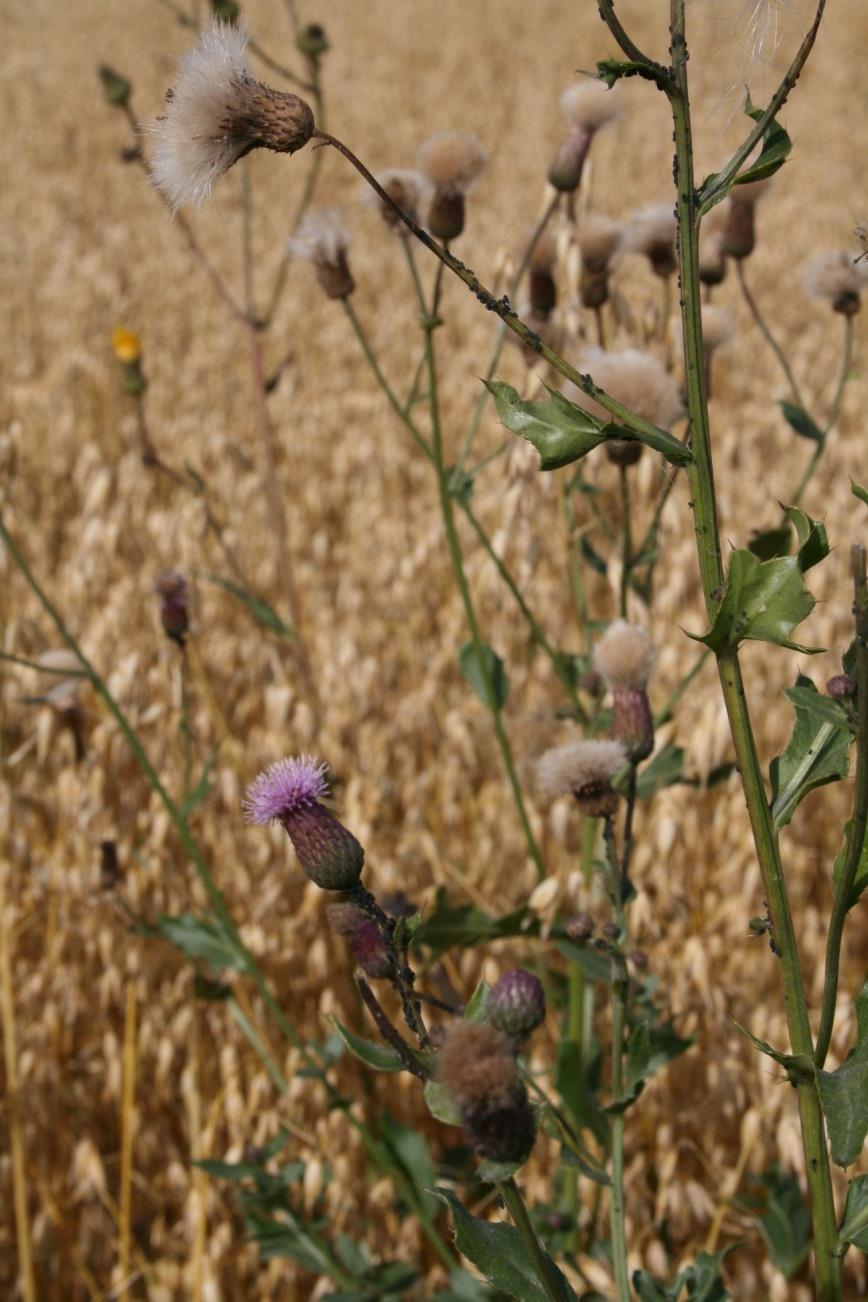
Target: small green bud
x,y
312,40
116,88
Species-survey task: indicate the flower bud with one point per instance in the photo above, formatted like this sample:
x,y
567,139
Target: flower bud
x,y
116,88
174,593
632,722
516,1003
312,40
367,943
623,452
580,927
841,687
289,793
565,172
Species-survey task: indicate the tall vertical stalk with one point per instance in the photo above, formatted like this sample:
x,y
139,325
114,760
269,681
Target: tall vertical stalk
x,y
619,1019
701,477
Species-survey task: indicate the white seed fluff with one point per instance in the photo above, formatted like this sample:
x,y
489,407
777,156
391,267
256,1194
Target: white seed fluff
x,y
572,768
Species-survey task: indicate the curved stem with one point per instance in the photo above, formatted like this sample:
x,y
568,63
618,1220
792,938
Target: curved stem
x,y
711,569
859,821
511,1195
627,45
765,330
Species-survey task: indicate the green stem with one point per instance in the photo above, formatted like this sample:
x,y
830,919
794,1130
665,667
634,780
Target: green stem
x,y
766,332
185,729
834,412
619,1017
454,545
859,821
413,429
511,1195
574,563
557,660
668,709
626,540
701,478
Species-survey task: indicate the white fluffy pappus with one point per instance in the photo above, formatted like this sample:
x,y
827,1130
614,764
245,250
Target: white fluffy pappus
x,y
578,765
636,380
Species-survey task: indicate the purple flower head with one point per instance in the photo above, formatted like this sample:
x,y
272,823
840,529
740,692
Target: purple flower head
x,y
285,787
289,793
516,1003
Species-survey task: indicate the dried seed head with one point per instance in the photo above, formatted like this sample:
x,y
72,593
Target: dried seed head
x,y
718,327
712,251
174,592
624,656
475,1064
585,770
591,104
837,278
652,231
599,239
637,380
502,1130
289,793
323,240
451,160
216,112
406,188
739,236
516,1003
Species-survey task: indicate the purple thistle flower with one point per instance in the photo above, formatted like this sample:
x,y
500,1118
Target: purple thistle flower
x,y
516,1003
289,793
284,787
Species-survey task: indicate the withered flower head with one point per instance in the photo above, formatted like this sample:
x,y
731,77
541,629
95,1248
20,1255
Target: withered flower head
x,y
599,239
324,241
839,279
406,188
635,379
585,770
452,161
216,112
652,231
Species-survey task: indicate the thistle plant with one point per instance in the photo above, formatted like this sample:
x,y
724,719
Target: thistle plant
x,y
556,1053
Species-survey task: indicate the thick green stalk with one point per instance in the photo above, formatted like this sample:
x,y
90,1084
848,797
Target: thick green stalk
x,y
619,1017
454,545
859,821
509,1192
701,478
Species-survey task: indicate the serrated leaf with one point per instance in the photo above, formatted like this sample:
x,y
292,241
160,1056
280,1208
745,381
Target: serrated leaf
x,y
441,1104
783,1220
562,432
854,1222
817,753
763,601
797,1066
844,1093
264,614
776,146
203,938
812,538
289,1237
498,1251
380,1057
799,421
492,670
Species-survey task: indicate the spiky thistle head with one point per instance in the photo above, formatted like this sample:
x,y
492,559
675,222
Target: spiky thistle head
x,y
216,112
289,792
837,278
324,241
583,769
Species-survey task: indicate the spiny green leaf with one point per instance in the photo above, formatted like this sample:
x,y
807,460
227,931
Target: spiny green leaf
x,y
702,1281
498,1251
817,753
492,669
776,147
797,1066
812,537
763,601
844,1093
854,1222
380,1057
765,544
573,1159
799,420
663,770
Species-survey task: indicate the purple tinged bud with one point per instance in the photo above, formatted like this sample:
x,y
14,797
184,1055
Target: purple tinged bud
x,y
370,950
289,793
565,173
516,1003
174,593
632,722
841,688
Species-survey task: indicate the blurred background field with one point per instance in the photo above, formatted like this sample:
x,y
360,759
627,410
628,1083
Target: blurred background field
x,y
86,247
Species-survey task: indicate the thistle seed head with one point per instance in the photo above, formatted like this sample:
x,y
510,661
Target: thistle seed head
x,y
406,188
583,769
475,1064
624,656
591,104
452,161
502,1130
635,379
216,112
324,241
652,231
838,279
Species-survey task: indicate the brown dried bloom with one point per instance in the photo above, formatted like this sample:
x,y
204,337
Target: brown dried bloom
x,y
404,187
475,1064
585,770
216,112
712,253
739,239
541,264
718,327
624,656
633,378
599,239
324,241
652,231
838,278
452,161
591,104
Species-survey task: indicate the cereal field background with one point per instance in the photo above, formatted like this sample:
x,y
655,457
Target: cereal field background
x,y
86,247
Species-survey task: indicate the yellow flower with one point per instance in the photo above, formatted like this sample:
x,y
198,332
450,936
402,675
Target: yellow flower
x,y
126,344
